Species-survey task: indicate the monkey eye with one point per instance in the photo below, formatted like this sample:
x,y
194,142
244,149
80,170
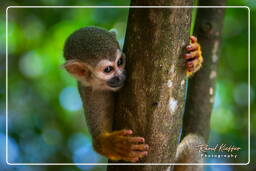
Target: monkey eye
x,y
120,62
108,69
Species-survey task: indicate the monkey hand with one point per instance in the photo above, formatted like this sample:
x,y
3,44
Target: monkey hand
x,y
193,57
118,145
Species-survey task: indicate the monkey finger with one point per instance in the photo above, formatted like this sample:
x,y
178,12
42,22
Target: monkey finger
x,y
123,132
130,153
187,56
138,154
193,39
196,61
192,46
191,55
127,148
190,63
135,140
189,66
193,66
141,147
129,140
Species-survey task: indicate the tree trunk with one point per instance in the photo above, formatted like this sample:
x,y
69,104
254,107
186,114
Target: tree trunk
x,y
201,87
152,101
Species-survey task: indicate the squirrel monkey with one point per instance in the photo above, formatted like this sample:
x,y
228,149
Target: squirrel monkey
x,y
94,59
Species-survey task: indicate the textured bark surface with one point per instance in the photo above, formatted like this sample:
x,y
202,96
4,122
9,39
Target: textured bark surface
x,y
152,101
201,88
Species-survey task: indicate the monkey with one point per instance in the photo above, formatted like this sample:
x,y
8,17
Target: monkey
x,y
94,58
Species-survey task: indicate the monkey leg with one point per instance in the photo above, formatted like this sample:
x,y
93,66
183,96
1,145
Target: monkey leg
x,y
118,145
194,58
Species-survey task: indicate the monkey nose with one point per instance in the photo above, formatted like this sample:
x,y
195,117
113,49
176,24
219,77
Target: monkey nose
x,y
116,82
116,79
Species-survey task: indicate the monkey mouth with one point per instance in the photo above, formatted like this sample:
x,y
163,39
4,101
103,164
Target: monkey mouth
x,y
116,85
116,82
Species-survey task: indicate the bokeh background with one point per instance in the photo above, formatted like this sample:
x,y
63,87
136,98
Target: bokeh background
x,y
45,115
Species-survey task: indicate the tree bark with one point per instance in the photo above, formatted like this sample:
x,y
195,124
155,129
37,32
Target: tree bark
x,y
152,101
200,96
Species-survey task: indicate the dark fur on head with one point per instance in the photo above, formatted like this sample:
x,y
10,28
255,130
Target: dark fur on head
x,y
91,44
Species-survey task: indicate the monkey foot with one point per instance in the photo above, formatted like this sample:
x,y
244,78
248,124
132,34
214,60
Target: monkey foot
x,y
193,57
118,145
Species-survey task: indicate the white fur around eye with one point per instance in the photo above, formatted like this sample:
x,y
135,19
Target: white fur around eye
x,y
99,71
104,76
121,55
104,62
118,54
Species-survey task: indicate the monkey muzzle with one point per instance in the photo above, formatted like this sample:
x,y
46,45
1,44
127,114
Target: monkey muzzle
x,y
117,81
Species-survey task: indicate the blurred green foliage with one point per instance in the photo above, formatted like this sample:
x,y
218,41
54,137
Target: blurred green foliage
x,y
46,121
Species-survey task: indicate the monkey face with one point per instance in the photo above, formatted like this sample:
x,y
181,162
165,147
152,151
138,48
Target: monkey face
x,y
106,75
112,73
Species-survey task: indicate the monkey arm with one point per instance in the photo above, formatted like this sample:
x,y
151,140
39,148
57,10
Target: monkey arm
x,y
115,145
98,106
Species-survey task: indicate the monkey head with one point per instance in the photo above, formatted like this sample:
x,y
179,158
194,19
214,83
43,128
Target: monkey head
x,y
94,58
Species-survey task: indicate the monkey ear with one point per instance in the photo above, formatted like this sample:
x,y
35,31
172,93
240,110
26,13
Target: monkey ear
x,y
76,68
114,32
